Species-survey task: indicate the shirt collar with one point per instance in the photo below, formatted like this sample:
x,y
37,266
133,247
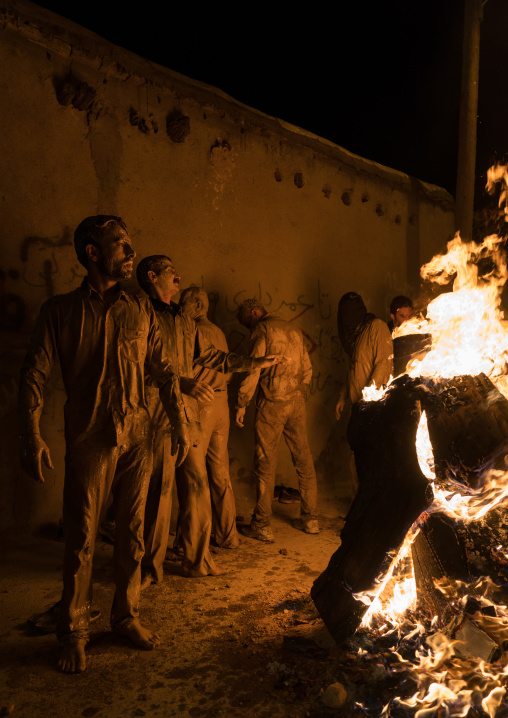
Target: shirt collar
x,y
173,308
87,289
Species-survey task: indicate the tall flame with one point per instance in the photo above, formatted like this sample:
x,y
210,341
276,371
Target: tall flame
x,y
466,325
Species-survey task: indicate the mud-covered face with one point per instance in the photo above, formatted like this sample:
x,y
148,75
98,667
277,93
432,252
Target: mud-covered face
x,y
116,255
189,304
168,280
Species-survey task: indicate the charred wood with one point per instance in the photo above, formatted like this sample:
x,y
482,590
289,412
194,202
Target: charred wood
x,y
392,493
468,426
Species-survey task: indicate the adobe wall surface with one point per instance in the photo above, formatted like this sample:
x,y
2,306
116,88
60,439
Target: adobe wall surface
x,y
245,205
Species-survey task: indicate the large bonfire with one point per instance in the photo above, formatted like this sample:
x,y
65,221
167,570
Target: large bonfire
x,y
469,338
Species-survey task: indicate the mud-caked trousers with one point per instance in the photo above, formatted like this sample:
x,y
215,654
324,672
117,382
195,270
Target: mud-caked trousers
x,y
91,474
214,420
273,420
158,505
194,514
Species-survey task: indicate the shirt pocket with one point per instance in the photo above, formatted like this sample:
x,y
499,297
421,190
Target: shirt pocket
x,y
132,344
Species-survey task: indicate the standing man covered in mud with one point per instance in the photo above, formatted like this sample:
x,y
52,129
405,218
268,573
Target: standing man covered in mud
x,y
280,410
104,339
214,421
157,277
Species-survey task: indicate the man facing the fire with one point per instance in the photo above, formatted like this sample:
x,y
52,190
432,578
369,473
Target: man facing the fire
x,y
182,346
105,340
280,410
401,310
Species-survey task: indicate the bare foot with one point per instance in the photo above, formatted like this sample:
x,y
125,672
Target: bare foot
x,y
146,581
138,635
73,658
217,571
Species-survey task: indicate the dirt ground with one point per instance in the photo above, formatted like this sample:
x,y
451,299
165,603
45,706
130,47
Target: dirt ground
x,y
248,643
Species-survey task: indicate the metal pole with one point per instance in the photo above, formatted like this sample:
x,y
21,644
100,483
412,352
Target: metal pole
x,y
464,202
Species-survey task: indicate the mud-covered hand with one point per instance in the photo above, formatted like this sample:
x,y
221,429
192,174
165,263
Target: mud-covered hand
x,y
180,443
33,451
264,362
240,416
197,389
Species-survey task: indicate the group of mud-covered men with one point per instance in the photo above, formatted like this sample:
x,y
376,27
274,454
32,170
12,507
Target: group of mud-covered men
x,y
146,384
146,381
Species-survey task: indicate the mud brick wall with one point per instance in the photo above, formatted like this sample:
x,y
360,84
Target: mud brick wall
x,y
244,204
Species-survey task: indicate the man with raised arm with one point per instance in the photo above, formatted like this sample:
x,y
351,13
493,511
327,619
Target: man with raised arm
x,y
158,278
280,411
105,339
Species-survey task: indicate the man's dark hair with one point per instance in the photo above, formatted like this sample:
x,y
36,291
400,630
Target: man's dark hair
x,y
248,305
92,230
153,263
398,302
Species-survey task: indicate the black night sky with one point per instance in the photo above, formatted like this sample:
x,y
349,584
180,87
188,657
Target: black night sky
x,y
381,79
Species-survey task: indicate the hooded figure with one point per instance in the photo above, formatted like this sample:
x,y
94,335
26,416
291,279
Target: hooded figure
x,y
352,318
368,343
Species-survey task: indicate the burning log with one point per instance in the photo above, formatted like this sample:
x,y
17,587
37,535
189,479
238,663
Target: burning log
x,y
468,427
392,493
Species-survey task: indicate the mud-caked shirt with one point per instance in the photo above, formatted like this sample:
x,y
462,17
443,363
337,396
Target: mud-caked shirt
x,y
283,381
184,347
210,334
105,351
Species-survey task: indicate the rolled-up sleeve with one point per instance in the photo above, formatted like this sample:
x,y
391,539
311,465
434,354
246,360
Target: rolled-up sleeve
x,y
207,355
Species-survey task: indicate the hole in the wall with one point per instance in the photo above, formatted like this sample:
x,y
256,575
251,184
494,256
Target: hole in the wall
x,y
379,209
177,126
298,180
398,219
83,97
137,121
365,197
327,190
277,175
347,196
